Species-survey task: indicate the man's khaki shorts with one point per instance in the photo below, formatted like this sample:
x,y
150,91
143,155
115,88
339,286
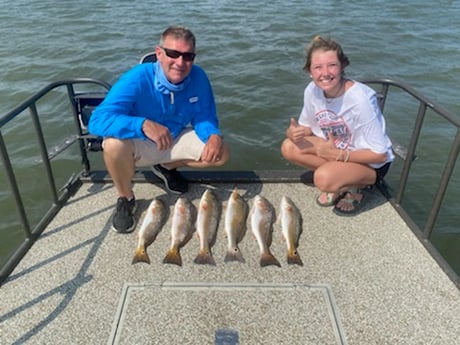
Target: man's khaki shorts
x,y
185,147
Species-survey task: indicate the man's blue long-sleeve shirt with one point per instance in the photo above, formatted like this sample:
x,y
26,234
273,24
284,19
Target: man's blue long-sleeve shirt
x,y
134,98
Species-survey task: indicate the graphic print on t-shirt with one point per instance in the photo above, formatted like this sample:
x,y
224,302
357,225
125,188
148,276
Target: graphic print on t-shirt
x,y
328,121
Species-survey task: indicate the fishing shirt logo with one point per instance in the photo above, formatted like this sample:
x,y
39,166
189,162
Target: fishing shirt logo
x,y
329,121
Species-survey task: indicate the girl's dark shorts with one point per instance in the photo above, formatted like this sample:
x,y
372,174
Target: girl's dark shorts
x,y
381,172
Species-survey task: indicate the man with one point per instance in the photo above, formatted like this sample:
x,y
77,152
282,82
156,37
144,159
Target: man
x,y
161,115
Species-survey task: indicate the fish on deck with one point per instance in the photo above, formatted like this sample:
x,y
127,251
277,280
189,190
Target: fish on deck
x,y
182,229
206,226
154,220
263,216
290,220
236,215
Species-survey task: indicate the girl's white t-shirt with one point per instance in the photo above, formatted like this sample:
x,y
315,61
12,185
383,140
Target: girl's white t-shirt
x,y
354,118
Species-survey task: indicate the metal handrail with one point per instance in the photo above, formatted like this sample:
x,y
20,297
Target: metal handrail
x,y
58,201
424,105
69,83
386,83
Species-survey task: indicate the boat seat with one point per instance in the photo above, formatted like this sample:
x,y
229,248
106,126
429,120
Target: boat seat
x,y
148,57
86,103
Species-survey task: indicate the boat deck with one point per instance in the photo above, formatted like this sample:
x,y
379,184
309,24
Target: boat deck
x,y
366,280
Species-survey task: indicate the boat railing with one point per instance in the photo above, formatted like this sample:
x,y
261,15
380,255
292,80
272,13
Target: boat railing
x,y
83,103
410,153
59,199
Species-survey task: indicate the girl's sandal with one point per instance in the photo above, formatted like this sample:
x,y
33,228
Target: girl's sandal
x,y
350,204
328,199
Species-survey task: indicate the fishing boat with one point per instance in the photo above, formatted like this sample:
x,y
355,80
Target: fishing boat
x,y
375,278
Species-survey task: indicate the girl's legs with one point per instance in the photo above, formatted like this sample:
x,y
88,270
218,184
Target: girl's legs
x,y
338,177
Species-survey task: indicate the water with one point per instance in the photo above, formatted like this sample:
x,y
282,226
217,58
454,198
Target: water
x,y
253,53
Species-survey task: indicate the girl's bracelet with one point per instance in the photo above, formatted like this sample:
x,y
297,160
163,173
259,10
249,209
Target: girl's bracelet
x,y
347,156
340,155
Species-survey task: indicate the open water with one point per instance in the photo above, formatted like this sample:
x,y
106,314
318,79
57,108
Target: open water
x,y
253,52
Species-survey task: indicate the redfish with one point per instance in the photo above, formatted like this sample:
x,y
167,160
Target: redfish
x,y
235,226
182,229
263,216
154,220
206,224
291,228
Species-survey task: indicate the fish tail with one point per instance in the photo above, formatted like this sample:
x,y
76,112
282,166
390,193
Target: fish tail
x,y
205,257
234,254
140,256
293,258
173,257
268,259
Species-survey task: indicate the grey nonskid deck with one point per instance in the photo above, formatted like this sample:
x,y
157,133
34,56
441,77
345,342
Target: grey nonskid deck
x,y
365,280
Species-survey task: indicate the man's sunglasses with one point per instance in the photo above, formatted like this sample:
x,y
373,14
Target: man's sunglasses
x,y
174,54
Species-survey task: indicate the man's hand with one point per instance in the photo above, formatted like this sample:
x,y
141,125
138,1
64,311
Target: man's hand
x,y
213,149
159,134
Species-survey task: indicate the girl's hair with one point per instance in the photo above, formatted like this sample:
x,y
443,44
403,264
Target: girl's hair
x,y
326,44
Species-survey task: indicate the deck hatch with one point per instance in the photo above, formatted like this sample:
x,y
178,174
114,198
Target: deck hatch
x,y
221,313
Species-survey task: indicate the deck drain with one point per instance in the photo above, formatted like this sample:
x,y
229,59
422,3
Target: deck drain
x,y
226,314
226,337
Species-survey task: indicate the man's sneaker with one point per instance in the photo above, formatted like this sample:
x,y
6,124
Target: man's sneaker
x,y
123,220
172,179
